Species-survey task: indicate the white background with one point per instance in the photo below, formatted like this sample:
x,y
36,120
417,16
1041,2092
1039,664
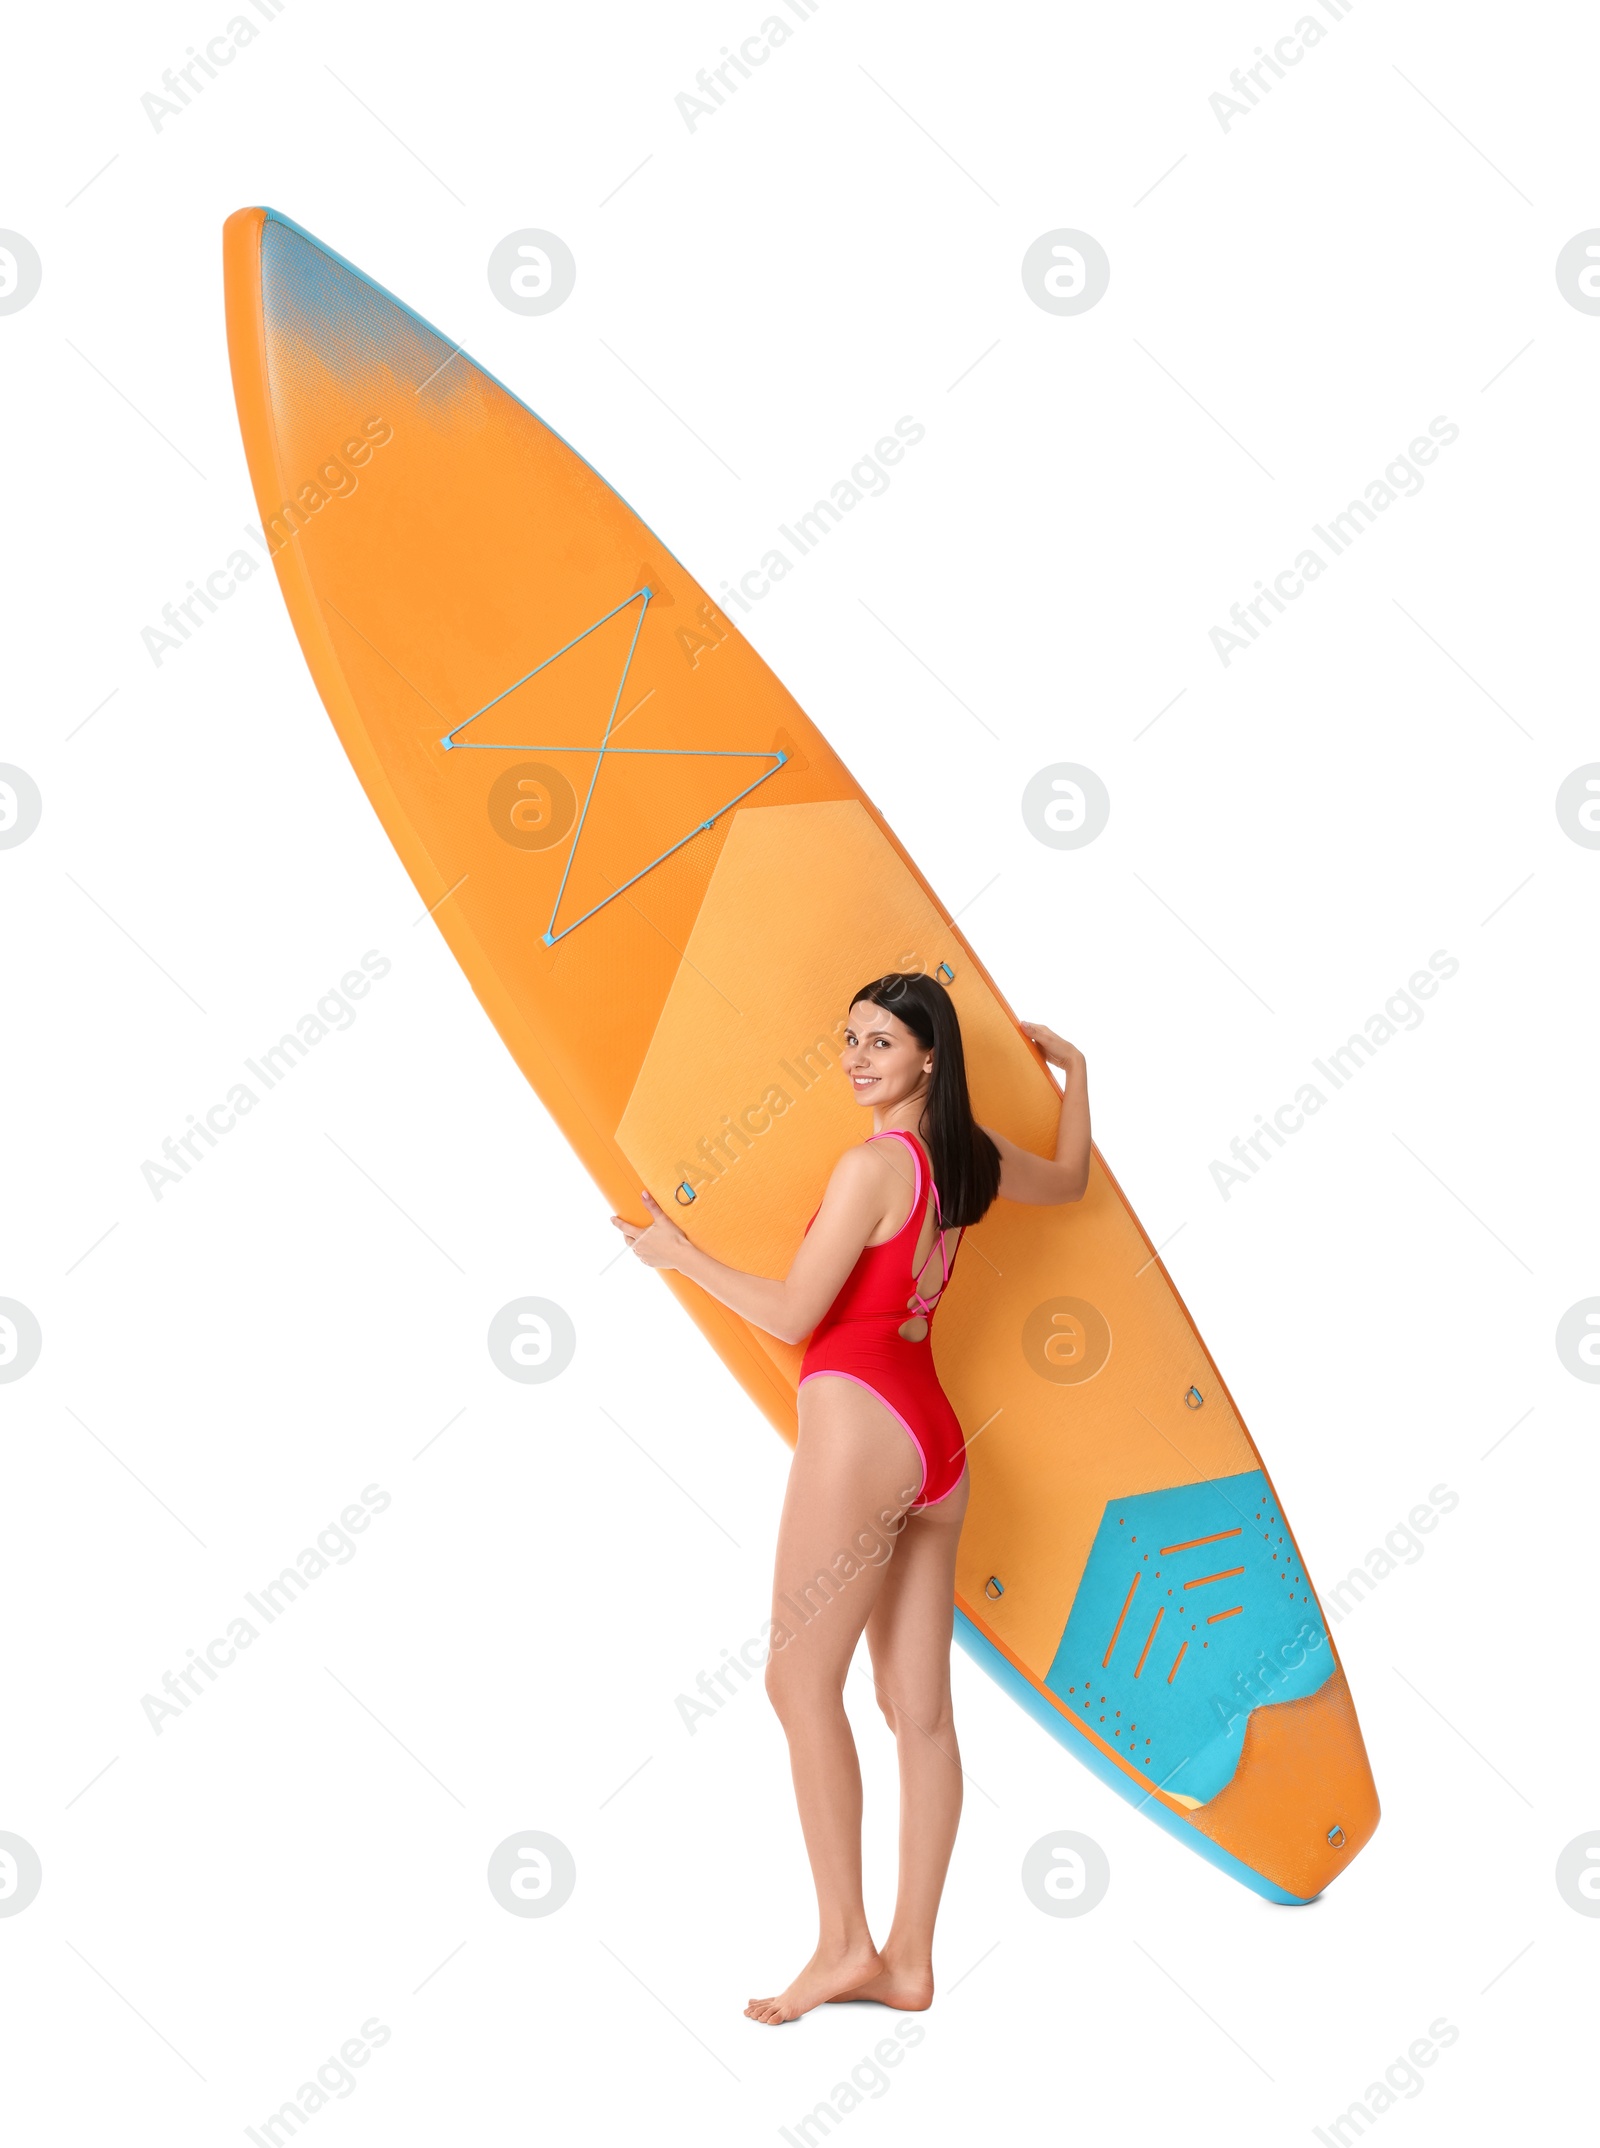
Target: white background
x,y
1291,302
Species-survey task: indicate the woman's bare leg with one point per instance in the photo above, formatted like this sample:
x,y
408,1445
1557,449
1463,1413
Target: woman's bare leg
x,y
909,1635
853,1475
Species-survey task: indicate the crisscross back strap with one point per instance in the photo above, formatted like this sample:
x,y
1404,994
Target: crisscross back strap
x,y
919,1303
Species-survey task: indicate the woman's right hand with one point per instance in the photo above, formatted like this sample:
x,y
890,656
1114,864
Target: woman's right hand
x,y
1056,1049
658,1243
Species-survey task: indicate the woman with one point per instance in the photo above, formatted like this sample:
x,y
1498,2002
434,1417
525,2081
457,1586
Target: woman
x,y
878,1487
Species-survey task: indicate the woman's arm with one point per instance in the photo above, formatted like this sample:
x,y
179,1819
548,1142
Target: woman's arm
x,y
861,1192
1048,1181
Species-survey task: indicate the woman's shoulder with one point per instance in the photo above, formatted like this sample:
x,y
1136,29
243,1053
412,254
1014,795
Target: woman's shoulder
x,y
871,1162
859,1185
863,1159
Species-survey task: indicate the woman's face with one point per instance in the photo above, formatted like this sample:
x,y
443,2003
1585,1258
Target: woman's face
x,y
883,1062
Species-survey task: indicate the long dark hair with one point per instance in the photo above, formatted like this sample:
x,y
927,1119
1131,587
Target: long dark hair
x,y
966,1163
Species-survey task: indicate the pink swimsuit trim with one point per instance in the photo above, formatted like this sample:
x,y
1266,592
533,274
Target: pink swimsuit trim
x,y
856,1380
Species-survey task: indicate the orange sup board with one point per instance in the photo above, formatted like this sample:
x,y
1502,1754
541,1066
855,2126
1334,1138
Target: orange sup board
x,y
662,882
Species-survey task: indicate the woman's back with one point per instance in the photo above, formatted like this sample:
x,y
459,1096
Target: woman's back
x,y
889,1281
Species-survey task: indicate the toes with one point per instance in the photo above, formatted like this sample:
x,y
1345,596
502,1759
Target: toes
x,y
769,2012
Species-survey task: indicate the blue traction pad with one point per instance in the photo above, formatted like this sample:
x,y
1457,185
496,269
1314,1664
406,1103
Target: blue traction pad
x,y
1193,1611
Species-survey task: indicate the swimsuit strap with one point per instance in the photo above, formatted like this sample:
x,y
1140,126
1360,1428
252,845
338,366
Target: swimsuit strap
x,y
895,1133
919,1303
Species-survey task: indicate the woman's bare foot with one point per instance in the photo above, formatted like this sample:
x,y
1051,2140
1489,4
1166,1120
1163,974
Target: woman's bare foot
x,y
828,1975
906,1988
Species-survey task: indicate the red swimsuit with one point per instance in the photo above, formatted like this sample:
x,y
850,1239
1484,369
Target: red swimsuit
x,y
858,1338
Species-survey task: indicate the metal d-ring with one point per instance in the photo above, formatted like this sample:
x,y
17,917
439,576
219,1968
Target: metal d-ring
x,y
994,1587
684,1194
1194,1400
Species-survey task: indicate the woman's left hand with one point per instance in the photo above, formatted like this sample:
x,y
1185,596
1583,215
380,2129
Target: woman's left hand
x,y
1056,1049
658,1243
